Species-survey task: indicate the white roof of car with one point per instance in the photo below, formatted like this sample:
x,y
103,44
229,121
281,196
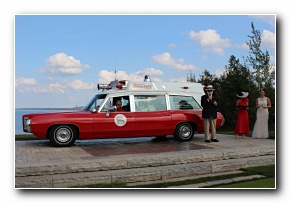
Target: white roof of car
x,y
178,88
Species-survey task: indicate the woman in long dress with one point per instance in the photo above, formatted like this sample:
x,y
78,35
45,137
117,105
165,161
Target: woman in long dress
x,y
261,125
242,124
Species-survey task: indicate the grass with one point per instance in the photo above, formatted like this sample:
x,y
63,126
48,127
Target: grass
x,y
25,137
263,183
267,182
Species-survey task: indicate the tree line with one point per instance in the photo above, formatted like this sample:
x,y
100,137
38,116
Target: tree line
x,y
237,77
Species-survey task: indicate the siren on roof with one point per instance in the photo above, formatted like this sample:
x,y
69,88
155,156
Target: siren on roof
x,y
104,86
122,84
115,84
147,78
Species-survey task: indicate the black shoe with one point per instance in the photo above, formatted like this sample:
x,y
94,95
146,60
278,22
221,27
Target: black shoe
x,y
207,141
214,140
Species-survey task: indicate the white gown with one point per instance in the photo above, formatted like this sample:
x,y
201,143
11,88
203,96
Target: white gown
x,y
261,125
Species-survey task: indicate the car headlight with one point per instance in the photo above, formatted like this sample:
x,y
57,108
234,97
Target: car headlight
x,y
26,125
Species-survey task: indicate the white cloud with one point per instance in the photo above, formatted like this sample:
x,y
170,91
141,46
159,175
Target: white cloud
x,y
242,46
166,59
61,63
211,41
28,85
219,72
31,88
79,85
270,19
107,76
154,79
172,45
150,71
204,57
268,39
24,81
181,79
55,87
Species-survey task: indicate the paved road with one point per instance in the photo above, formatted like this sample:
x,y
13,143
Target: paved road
x,y
108,158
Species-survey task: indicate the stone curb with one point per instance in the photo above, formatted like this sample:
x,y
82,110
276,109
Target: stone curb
x,y
141,174
183,178
141,161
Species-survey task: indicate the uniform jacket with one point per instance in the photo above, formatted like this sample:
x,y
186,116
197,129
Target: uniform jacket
x,y
209,109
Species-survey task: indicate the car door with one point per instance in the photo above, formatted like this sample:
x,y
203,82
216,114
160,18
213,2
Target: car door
x,y
151,115
184,108
114,124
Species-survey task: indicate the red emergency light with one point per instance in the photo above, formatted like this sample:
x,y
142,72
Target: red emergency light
x,y
122,82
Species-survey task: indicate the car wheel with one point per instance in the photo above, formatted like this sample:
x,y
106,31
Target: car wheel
x,y
183,132
62,136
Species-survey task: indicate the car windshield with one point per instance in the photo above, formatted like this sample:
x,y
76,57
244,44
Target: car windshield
x,y
95,102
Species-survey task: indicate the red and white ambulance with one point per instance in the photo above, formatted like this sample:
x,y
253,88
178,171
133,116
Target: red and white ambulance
x,y
147,109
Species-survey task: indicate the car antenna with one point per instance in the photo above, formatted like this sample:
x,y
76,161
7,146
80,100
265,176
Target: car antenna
x,y
115,69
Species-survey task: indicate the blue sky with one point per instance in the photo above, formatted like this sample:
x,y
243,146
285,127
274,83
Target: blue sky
x,y
60,59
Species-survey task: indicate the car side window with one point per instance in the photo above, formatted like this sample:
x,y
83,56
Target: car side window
x,y
178,102
145,103
113,100
107,105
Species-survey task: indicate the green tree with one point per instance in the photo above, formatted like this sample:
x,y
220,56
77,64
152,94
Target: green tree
x,y
236,78
263,72
207,79
191,78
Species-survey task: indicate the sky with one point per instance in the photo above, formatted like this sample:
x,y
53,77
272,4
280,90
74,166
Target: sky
x,y
60,59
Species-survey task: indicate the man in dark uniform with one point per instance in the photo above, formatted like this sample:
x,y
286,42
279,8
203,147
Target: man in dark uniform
x,y
209,113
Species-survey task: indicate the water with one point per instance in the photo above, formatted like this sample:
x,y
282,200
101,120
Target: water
x,y
20,112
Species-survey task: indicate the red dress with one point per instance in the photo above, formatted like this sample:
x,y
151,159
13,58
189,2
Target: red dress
x,y
120,109
242,124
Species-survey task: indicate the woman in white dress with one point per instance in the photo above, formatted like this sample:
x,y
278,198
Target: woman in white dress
x,y
261,125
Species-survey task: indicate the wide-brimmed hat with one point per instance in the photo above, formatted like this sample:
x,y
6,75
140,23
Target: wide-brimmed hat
x,y
209,87
243,94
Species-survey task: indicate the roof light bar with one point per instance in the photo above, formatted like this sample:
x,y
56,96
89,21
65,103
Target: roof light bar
x,y
104,86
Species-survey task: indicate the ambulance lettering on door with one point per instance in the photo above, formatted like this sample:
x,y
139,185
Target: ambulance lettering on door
x,y
120,120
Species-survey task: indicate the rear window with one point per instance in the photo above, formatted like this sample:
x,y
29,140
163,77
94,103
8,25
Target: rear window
x,y
183,103
145,103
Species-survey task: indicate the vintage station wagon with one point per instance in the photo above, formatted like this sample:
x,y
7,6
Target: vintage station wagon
x,y
148,109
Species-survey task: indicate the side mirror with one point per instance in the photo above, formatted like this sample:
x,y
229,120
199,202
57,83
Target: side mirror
x,y
110,109
94,110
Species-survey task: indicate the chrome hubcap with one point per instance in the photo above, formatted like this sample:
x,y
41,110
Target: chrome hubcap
x,y
63,135
185,131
